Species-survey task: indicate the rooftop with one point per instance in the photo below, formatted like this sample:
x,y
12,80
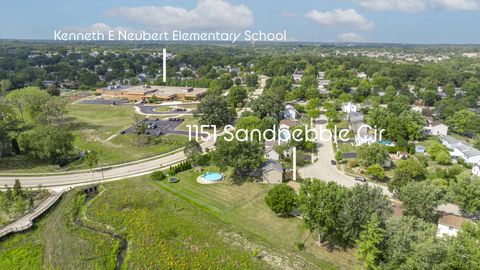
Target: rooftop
x,y
272,165
154,90
452,221
288,122
449,139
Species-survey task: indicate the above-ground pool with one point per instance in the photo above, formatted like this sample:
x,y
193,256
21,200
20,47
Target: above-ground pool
x,y
387,143
211,177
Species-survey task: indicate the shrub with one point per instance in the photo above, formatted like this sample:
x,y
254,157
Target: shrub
x,y
300,246
353,163
157,176
376,171
281,199
180,167
443,158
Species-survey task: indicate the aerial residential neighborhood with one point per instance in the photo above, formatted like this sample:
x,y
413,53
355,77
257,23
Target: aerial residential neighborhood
x,y
317,135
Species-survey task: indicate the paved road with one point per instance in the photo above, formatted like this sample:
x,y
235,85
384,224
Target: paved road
x,y
322,169
113,173
150,109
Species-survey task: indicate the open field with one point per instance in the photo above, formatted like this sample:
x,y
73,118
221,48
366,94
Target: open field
x,y
183,226
162,231
56,242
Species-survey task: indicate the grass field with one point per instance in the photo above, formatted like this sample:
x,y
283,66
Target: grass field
x,y
162,232
189,120
56,242
97,127
165,232
243,205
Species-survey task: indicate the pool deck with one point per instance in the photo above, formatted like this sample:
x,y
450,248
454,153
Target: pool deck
x,y
204,182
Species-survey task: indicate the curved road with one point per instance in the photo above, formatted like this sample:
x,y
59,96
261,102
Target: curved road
x,y
150,109
322,169
109,174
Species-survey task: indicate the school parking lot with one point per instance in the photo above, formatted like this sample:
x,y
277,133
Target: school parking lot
x,y
158,127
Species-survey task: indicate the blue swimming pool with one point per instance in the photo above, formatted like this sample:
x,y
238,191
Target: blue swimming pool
x,y
212,176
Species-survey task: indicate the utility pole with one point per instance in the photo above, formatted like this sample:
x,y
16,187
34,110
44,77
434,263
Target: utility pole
x,y
294,155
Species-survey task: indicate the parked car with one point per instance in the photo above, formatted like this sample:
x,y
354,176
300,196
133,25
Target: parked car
x,y
333,162
360,178
159,133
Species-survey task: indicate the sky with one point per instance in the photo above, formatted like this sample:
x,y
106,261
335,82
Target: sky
x,y
375,21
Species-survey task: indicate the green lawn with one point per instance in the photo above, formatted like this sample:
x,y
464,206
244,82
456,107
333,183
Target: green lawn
x,y
24,164
121,149
189,120
98,127
347,147
243,205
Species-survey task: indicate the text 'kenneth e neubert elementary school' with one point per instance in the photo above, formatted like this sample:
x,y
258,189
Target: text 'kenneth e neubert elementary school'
x,y
175,35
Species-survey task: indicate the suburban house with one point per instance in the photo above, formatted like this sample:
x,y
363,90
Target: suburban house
x,y
284,130
272,172
362,75
297,76
349,107
436,128
449,224
323,83
321,75
459,149
476,170
290,112
287,123
270,152
355,123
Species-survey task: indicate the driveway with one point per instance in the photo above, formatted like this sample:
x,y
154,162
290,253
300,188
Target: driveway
x,y
323,170
150,109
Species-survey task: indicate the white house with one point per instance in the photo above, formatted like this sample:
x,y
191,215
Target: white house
x,y
270,152
355,124
321,75
323,83
297,76
362,75
290,112
436,128
449,224
349,107
460,149
476,170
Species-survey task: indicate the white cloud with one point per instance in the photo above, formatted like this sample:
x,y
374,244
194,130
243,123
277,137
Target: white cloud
x,y
207,15
346,18
351,37
456,4
288,14
100,27
413,6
